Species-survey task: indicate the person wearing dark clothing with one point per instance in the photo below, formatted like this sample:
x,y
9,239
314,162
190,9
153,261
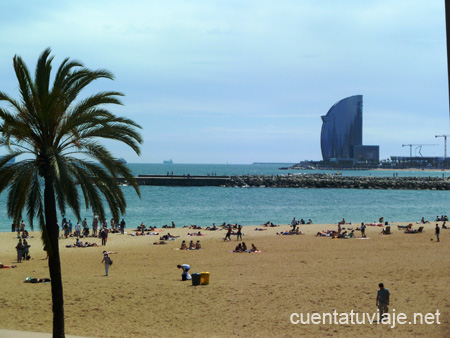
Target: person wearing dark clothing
x,y
104,235
228,236
122,226
239,232
437,231
383,296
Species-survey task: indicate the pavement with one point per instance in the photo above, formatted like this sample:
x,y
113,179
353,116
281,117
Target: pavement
x,y
26,334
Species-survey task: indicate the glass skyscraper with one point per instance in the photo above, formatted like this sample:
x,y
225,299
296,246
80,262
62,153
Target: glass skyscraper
x,y
342,129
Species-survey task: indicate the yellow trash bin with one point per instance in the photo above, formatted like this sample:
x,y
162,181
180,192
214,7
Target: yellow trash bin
x,y
204,279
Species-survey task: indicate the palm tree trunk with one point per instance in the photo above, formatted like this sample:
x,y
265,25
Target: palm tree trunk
x,y
54,263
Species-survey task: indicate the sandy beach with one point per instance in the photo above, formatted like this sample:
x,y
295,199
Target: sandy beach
x,y
249,295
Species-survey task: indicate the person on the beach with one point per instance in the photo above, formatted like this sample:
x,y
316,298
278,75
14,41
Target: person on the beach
x,y
107,262
294,224
26,250
94,226
183,246
239,233
383,300
437,231
192,245
3,266
104,235
78,230
122,226
19,248
185,275
198,246
66,229
254,249
228,235
363,230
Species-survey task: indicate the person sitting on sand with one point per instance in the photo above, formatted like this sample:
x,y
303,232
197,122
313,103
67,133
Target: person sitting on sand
x,y
183,246
25,234
244,246
351,234
423,221
254,249
192,245
3,266
198,246
213,227
444,226
238,248
309,221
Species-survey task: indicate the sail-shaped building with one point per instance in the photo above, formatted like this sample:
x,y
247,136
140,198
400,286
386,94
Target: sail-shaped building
x,y
341,136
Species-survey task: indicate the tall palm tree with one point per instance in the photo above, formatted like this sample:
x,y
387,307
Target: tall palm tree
x,y
60,136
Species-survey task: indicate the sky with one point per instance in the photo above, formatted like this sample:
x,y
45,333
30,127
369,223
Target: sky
x,y
248,81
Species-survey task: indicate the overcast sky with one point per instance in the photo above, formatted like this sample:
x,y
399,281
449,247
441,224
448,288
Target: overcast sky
x,y
247,81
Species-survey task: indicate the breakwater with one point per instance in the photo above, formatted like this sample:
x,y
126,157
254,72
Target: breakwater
x,y
179,180
297,181
338,181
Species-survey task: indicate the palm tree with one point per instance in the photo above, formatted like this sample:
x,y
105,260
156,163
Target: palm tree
x,y
59,136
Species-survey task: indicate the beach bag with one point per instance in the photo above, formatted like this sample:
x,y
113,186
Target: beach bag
x,y
110,261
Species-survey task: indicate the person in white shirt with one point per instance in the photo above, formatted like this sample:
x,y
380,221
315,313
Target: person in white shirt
x,y
185,275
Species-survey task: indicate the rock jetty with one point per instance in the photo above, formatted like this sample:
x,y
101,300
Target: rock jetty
x,y
338,181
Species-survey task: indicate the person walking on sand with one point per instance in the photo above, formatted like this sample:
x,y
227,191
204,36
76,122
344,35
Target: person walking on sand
x,y
383,296
228,235
107,261
294,224
437,231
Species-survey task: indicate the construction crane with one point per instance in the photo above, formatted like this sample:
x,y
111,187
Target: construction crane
x,y
445,144
418,146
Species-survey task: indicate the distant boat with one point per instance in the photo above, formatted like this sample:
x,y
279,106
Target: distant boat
x,y
168,162
122,160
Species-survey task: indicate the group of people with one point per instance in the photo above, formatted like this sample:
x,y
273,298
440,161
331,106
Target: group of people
x,y
192,246
23,250
84,231
242,247
230,232
80,244
443,218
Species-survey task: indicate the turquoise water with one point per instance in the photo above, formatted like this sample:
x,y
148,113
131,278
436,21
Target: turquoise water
x,y
249,206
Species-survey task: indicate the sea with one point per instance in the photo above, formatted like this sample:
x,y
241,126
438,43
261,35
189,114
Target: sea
x,y
204,206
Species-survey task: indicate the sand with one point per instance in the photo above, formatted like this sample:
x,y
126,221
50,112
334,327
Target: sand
x,y
249,295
